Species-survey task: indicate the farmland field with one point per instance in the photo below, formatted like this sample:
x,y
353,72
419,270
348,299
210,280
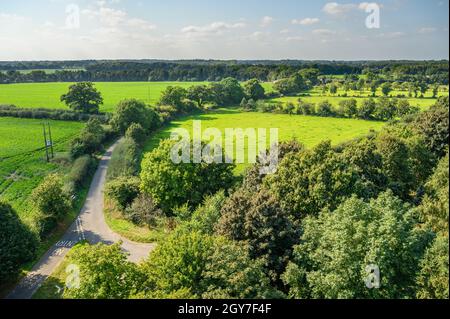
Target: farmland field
x,y
22,158
47,95
308,130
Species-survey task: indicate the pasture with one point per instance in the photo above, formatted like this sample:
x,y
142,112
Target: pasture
x,y
22,157
47,95
308,130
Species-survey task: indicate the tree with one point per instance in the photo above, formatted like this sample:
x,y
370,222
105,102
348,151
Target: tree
x,y
51,202
337,248
433,125
172,185
385,109
132,111
254,90
104,273
232,91
173,96
432,279
83,97
325,109
136,133
230,273
259,221
386,88
123,190
434,209
333,89
90,139
311,180
367,109
201,94
18,244
396,167
348,108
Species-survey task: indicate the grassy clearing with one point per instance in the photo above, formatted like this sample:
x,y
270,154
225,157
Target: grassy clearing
x,y
22,159
308,130
125,228
47,95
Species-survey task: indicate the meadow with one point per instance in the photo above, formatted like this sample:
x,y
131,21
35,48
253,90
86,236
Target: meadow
x,y
308,130
22,157
47,95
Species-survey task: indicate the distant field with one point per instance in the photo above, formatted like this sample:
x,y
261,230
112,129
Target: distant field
x,y
308,130
48,95
22,159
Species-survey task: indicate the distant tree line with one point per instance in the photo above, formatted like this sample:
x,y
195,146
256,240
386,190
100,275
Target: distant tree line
x,y
115,71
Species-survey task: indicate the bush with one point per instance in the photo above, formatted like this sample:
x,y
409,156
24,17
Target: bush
x,y
82,167
134,111
143,211
325,109
90,139
49,197
124,160
123,191
136,133
18,245
172,185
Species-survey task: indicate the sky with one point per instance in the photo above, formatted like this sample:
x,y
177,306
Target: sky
x,y
224,29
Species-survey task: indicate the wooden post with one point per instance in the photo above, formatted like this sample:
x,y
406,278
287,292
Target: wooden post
x,y
51,140
45,142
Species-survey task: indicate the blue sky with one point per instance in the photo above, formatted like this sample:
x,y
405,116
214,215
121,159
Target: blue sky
x,y
232,29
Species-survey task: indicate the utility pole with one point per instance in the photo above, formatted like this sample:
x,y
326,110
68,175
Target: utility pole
x,y
51,140
45,142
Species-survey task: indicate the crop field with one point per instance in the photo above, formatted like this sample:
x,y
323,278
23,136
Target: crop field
x,y
47,95
306,129
22,157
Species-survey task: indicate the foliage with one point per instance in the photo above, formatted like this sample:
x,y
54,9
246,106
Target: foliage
x,y
124,159
254,90
123,190
336,247
172,185
83,97
18,244
133,111
104,273
51,202
90,139
259,221
82,167
136,133
143,211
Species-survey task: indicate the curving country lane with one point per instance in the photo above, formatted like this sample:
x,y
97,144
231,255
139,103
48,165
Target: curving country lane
x,y
90,225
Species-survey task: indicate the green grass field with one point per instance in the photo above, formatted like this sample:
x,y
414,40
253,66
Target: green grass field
x,y
22,157
306,129
47,95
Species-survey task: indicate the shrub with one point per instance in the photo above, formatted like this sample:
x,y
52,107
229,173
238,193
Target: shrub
x,y
325,109
51,203
123,191
124,160
136,133
18,245
90,139
82,167
134,111
143,211
172,185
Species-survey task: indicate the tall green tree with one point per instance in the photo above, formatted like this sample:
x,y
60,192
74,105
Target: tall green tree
x,y
83,97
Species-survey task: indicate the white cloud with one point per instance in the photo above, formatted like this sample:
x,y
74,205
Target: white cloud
x,y
306,21
285,31
295,39
213,28
324,32
334,8
392,35
266,21
426,30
